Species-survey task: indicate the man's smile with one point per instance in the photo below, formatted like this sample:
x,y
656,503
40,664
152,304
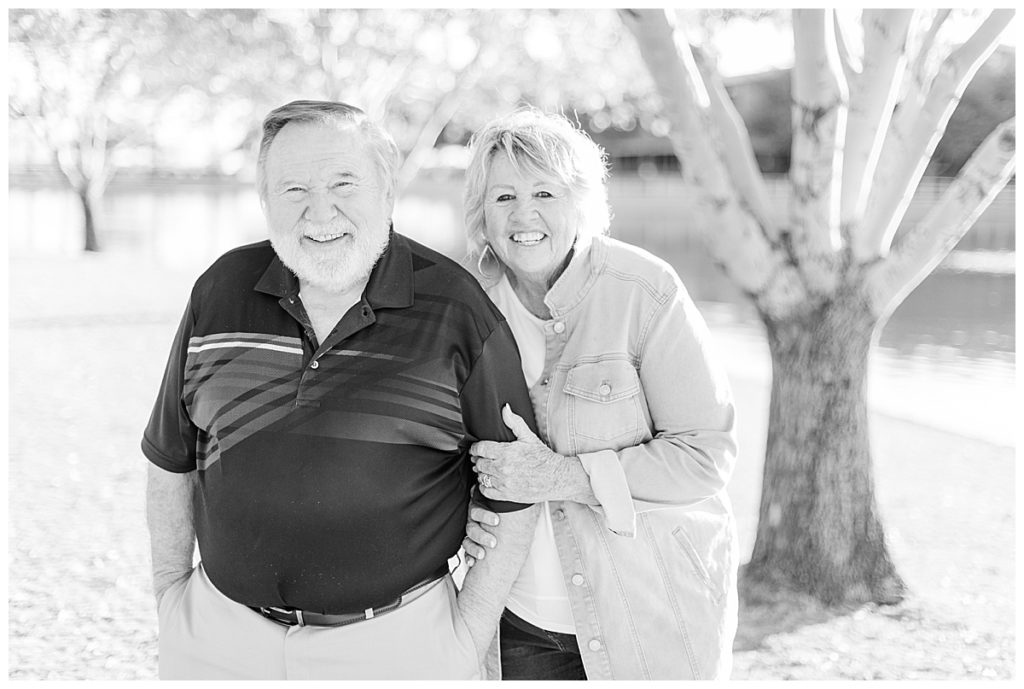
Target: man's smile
x,y
324,239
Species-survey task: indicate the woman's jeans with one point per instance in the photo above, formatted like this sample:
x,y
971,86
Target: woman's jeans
x,y
529,652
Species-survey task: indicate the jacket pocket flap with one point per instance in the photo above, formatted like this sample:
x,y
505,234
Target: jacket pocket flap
x,y
602,381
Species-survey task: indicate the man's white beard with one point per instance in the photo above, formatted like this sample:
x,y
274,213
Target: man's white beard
x,y
334,271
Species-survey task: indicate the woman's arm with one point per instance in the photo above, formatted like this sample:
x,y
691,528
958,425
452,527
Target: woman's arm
x,y
693,451
689,459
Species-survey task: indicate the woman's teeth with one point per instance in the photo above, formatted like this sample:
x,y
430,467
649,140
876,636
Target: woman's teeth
x,y
527,238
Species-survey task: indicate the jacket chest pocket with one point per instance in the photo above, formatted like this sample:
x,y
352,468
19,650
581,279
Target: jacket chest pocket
x,y
603,404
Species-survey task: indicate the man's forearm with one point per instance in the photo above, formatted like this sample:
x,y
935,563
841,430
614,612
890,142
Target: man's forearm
x,y
172,532
488,583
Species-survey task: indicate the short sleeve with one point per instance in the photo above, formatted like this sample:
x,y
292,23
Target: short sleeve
x,y
495,380
169,440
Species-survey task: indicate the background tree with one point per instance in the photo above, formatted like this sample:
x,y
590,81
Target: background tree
x,y
70,82
102,89
96,84
826,277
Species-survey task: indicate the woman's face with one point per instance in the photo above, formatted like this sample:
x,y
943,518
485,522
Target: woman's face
x,y
529,221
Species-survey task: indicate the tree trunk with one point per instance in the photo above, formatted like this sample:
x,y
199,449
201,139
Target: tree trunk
x,y
89,219
819,531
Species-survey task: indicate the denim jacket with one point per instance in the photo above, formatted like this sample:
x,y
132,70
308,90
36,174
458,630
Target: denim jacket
x,y
630,386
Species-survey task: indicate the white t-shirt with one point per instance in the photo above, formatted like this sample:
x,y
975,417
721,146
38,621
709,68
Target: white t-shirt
x,y
538,595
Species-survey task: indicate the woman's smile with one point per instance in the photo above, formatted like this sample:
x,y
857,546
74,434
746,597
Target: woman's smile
x,y
528,238
529,220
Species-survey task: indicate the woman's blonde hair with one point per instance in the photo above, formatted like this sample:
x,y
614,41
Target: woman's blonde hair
x,y
544,145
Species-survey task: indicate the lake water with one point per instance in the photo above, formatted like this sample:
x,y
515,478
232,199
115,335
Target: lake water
x,y
945,358
951,316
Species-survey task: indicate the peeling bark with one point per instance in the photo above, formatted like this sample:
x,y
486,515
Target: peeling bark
x,y
919,75
819,117
873,96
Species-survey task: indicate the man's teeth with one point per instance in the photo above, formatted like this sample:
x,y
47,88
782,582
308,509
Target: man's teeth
x,y
527,237
326,238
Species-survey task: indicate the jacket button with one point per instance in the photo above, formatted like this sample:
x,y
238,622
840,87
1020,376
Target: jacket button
x,y
605,389
594,645
315,365
560,515
577,579
559,327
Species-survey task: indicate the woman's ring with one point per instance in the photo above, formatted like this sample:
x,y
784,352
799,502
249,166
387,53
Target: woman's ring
x,y
486,481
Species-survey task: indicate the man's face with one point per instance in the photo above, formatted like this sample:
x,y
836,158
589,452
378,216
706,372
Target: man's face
x,y
326,206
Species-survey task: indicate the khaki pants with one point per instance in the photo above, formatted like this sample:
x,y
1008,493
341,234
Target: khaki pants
x,y
205,635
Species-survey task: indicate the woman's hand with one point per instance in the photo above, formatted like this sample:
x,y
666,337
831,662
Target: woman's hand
x,y
525,470
478,539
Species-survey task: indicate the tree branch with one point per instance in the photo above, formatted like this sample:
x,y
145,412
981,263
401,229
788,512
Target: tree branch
x,y
851,68
910,142
733,237
736,150
448,105
872,100
934,236
819,115
919,73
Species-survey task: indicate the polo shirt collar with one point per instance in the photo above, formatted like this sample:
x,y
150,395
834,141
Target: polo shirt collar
x,y
277,280
391,280
390,284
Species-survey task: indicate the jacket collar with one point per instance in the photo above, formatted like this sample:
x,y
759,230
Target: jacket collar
x,y
586,264
390,284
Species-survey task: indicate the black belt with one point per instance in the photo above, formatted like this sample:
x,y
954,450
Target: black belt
x,y
290,617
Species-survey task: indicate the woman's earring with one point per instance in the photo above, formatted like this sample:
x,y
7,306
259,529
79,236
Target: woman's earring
x,y
480,262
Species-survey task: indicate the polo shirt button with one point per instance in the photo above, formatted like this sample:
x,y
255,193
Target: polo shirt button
x,y
544,382
594,645
605,389
559,327
315,365
577,579
560,515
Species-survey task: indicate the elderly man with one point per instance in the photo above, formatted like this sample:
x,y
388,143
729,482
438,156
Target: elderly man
x,y
311,431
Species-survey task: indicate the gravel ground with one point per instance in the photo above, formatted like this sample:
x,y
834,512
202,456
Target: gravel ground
x,y
88,344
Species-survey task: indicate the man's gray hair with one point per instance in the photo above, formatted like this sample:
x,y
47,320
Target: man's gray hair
x,y
542,144
329,112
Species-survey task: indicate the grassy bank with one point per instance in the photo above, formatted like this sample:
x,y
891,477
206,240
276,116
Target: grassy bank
x,y
88,340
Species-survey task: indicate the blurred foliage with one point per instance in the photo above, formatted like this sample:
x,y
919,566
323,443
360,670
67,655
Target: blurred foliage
x,y
139,87
427,73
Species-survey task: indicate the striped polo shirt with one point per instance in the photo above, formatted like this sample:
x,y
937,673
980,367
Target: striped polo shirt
x,y
332,477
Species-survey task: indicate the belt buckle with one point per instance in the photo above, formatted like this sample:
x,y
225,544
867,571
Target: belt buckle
x,y
280,615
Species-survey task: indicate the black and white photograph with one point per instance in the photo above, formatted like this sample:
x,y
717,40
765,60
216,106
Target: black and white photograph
x,y
521,343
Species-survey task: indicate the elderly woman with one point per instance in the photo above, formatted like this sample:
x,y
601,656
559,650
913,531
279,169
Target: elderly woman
x,y
632,571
